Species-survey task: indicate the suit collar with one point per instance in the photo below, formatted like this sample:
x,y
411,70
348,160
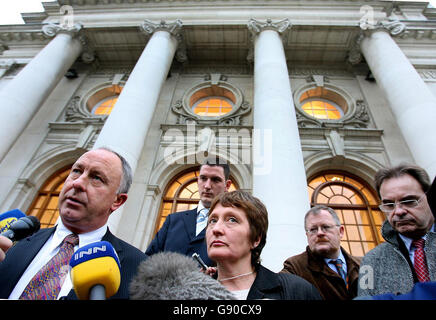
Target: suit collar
x,y
317,264
190,221
266,281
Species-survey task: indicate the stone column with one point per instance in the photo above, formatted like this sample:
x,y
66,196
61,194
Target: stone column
x,y
411,101
280,180
126,127
23,96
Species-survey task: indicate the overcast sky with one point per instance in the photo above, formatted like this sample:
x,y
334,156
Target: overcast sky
x,y
11,9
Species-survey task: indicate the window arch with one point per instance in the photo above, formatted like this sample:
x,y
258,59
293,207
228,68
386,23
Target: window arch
x,y
45,204
323,104
181,194
103,101
212,101
356,205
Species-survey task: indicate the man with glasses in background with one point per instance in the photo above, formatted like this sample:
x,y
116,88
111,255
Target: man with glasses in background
x,y
324,263
409,254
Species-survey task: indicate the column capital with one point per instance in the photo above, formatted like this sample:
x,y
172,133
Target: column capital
x,y
149,27
51,29
393,26
174,28
255,26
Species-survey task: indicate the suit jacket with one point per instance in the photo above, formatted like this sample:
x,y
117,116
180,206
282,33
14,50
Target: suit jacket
x,y
22,253
178,235
280,286
329,283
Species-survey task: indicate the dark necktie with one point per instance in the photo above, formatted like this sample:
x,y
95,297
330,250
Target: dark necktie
x,y
47,282
338,265
419,262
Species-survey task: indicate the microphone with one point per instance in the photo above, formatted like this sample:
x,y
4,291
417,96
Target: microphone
x,y
22,228
95,271
7,218
173,276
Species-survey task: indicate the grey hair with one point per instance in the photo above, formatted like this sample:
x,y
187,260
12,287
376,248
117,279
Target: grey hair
x,y
317,209
127,177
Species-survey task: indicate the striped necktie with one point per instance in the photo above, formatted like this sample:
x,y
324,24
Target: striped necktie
x,y
419,261
341,272
47,282
201,220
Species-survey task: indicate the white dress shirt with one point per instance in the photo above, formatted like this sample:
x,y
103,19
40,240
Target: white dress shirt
x,y
48,250
200,226
408,243
333,267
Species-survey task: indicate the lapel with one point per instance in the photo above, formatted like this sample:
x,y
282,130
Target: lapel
x,y
266,284
190,221
26,250
115,243
33,244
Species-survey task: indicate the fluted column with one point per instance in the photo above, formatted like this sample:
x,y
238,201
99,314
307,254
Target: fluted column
x,y
126,127
280,181
410,99
22,97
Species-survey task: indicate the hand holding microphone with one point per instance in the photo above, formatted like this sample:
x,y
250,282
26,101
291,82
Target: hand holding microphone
x,y
95,271
5,244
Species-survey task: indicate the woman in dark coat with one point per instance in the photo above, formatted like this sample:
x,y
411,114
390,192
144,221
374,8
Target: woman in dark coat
x,y
235,237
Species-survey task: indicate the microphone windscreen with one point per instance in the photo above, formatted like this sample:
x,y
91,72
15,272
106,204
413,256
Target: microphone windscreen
x,y
95,264
7,218
173,276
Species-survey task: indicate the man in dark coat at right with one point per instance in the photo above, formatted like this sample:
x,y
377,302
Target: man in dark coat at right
x,y
325,264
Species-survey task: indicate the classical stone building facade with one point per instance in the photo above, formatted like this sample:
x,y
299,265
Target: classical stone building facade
x,y
305,99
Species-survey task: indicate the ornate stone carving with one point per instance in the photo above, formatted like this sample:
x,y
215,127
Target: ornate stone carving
x,y
183,116
174,28
52,29
75,112
149,27
393,26
358,119
233,119
255,26
355,55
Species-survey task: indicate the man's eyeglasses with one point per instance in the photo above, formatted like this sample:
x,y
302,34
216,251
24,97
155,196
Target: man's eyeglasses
x,y
390,206
325,228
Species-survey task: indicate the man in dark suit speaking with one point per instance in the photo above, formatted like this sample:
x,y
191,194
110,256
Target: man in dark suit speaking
x,y
184,231
36,268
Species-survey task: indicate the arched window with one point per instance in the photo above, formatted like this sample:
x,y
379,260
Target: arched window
x,y
212,107
103,101
323,104
212,101
181,194
356,205
45,205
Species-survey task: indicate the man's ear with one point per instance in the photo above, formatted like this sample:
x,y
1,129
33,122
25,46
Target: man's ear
x,y
228,184
119,201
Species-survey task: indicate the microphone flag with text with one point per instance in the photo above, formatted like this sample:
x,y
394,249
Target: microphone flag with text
x,y
21,227
95,271
7,218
